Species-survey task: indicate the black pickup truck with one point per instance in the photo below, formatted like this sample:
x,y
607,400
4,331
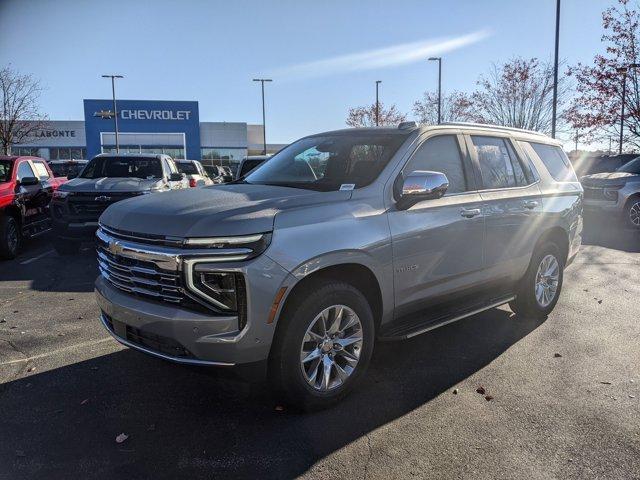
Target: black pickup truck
x,y
107,178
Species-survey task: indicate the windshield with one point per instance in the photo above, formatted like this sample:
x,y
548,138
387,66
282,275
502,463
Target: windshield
x,y
329,162
5,170
188,168
123,167
631,167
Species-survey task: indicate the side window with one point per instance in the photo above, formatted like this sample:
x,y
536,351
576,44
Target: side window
x,y
556,162
499,164
440,154
41,170
25,170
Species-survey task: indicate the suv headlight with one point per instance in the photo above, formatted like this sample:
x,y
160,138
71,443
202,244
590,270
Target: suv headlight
x,y
225,249
61,194
221,289
611,191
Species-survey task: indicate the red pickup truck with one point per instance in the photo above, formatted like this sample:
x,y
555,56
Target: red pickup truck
x,y
26,187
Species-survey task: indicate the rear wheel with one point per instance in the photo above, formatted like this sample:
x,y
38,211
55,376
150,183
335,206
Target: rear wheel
x,y
66,247
539,290
632,213
324,347
10,237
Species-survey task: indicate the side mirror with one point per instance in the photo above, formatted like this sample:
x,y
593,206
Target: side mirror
x,y
28,181
176,177
422,185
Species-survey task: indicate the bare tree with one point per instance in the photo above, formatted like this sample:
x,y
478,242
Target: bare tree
x,y
366,116
597,106
456,107
20,115
518,93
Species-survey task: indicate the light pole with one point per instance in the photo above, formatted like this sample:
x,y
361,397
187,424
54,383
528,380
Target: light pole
x,y
555,73
439,60
623,71
264,122
378,82
115,110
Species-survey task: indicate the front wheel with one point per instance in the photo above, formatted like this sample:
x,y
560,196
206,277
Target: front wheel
x,y
9,237
324,347
632,213
539,290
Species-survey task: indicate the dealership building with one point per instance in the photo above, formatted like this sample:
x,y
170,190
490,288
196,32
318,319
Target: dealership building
x,y
146,126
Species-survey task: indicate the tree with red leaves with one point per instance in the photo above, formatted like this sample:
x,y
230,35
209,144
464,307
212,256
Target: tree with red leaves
x,y
596,109
456,107
366,116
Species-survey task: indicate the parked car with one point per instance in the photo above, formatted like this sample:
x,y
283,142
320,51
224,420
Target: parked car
x,y
615,193
67,168
250,163
107,178
26,187
339,240
588,164
194,172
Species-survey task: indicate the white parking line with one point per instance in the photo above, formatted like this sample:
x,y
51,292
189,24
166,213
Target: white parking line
x,y
26,262
55,352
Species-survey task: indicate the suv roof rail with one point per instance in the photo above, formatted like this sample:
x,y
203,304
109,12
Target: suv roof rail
x,y
407,125
495,127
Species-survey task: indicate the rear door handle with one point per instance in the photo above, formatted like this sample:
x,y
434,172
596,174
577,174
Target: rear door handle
x,y
530,204
470,212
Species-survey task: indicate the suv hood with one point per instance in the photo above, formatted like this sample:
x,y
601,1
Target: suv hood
x,y
106,184
608,178
219,210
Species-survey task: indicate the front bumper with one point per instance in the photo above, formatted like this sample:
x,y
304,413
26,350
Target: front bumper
x,y
189,337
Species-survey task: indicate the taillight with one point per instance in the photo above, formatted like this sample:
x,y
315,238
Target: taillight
x,y
192,182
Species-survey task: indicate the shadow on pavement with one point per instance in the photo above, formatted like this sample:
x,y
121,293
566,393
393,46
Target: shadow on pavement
x,y
46,271
190,422
610,233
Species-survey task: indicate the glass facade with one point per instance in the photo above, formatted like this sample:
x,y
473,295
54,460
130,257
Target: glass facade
x,y
52,153
173,152
227,157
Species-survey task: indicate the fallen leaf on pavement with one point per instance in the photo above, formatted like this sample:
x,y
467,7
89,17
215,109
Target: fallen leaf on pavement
x,y
455,391
488,398
481,390
606,383
121,438
557,355
31,369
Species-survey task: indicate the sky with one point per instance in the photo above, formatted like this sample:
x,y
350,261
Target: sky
x,y
323,56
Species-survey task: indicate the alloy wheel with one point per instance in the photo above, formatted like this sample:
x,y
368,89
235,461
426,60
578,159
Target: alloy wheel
x,y
547,279
331,348
634,214
12,236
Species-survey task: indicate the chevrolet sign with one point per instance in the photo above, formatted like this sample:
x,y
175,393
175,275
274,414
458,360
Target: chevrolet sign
x,y
155,114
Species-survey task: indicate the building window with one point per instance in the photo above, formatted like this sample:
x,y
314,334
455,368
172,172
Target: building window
x,y
173,152
227,157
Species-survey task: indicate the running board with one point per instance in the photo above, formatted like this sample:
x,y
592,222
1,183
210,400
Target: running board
x,y
411,329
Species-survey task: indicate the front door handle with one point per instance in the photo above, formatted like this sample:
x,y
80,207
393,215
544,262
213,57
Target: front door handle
x,y
470,212
530,204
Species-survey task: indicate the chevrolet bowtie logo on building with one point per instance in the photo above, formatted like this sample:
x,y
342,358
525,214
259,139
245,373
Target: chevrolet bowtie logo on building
x,y
105,114
102,198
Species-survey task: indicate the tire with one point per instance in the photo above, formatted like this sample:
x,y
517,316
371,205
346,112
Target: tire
x,y
66,247
294,380
10,237
527,303
632,213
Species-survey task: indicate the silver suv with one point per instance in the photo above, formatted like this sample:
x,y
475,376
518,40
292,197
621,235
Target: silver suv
x,y
338,241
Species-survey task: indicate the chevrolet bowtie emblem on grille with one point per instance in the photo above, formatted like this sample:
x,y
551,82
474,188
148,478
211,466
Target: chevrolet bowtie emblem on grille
x,y
114,247
102,198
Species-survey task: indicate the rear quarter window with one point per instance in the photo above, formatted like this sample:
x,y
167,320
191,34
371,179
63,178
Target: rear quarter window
x,y
556,161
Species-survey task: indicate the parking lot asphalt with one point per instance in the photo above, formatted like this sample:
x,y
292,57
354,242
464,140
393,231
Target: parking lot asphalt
x,y
562,396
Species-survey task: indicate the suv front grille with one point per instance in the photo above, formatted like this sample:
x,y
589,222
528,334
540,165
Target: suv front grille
x,y
139,277
597,193
89,206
